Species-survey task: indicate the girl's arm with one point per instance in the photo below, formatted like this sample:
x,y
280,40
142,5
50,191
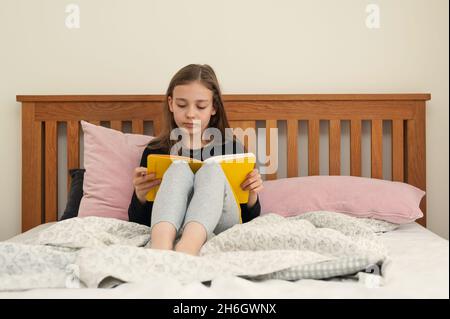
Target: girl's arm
x,y
248,213
137,212
252,198
252,183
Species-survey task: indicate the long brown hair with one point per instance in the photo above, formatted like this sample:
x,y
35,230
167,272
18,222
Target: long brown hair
x,y
204,74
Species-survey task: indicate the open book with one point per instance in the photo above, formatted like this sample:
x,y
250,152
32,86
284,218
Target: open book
x,y
235,166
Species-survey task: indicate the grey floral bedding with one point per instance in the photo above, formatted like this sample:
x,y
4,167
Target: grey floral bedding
x,y
103,252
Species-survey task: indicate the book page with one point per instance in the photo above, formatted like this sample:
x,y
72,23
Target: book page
x,y
242,157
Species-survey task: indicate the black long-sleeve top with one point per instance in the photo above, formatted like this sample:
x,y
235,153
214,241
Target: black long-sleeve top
x,y
142,213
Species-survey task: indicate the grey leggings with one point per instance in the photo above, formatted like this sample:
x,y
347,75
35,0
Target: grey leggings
x,y
205,197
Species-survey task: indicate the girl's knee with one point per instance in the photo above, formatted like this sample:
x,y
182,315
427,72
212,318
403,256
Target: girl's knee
x,y
209,171
179,169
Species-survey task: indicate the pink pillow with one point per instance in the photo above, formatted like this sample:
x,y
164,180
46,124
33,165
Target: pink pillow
x,y
356,196
110,158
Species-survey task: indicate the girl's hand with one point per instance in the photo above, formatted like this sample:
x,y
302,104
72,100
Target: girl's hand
x,y
143,182
253,182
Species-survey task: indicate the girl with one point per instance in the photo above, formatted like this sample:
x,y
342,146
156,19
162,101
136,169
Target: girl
x,y
193,206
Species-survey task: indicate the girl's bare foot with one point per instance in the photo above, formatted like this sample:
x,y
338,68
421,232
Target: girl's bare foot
x,y
192,239
162,236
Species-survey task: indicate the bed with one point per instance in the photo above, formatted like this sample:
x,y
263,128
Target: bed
x,y
418,267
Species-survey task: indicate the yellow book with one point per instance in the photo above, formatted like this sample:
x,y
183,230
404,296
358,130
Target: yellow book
x,y
236,167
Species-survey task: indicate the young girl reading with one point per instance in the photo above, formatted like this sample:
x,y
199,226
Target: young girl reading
x,y
190,205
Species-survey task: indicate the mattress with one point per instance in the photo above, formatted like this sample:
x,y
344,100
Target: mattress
x,y
418,267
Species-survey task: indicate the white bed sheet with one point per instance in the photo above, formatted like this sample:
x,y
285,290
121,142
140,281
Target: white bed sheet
x,y
418,268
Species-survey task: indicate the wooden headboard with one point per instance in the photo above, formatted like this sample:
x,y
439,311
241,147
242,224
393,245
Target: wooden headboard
x,y
41,114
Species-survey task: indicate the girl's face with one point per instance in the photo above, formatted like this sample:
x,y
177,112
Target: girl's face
x,y
192,107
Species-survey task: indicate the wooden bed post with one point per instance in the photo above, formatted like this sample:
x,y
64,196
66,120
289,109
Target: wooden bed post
x,y
31,168
416,164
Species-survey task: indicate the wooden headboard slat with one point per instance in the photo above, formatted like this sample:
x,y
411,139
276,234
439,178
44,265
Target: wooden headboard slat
x,y
51,171
313,147
157,126
334,145
355,147
397,151
137,126
244,125
270,147
73,144
116,125
377,149
292,148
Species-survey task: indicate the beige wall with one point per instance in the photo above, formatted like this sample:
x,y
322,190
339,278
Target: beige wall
x,y
257,46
